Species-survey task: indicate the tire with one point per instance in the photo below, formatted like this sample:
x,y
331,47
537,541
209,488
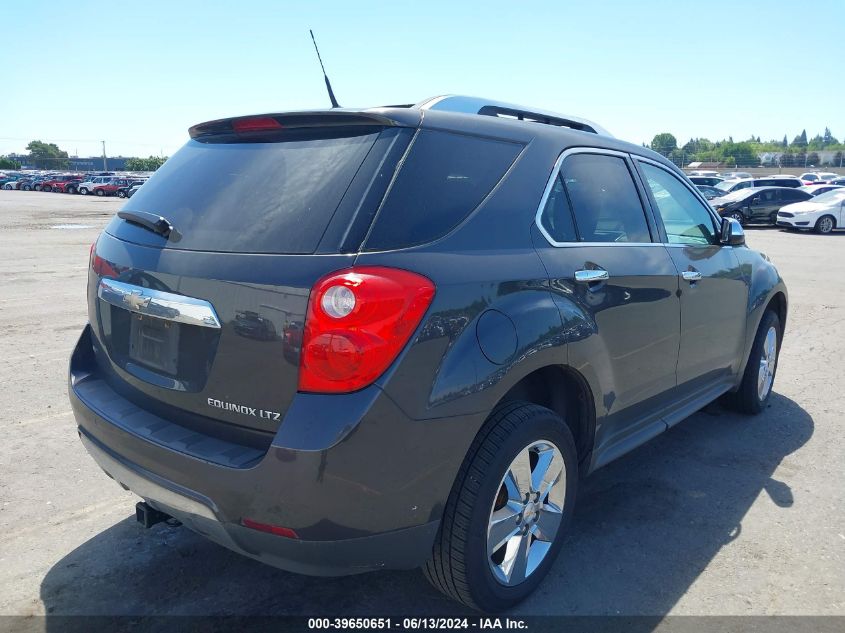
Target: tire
x,y
748,398
83,191
100,192
27,188
70,190
825,224
738,216
7,187
460,565
121,194
47,188
37,188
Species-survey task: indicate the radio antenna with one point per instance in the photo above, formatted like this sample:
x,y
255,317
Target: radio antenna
x,y
335,104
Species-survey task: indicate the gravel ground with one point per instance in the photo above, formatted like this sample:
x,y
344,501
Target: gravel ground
x,y
722,515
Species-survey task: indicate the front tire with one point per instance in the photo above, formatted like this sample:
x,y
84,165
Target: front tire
x,y
83,191
738,216
506,517
121,194
757,381
825,225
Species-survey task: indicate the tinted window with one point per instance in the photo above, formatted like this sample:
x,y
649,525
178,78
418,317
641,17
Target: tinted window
x,y
604,199
443,179
684,217
791,195
557,215
272,197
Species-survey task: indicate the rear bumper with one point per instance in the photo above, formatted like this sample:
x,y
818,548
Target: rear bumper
x,y
400,549
368,498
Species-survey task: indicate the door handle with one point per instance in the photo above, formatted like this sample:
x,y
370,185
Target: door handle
x,y
691,275
591,275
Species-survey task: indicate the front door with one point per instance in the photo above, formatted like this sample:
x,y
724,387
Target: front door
x,y
713,288
616,288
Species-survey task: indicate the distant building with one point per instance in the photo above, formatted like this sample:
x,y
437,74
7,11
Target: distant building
x,y
77,163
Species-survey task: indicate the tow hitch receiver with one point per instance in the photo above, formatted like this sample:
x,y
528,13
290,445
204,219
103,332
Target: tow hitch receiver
x,y
148,516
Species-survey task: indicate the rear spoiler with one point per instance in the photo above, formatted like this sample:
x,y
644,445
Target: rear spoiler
x,y
303,120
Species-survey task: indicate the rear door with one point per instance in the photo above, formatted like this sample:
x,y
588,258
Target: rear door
x,y
713,289
617,290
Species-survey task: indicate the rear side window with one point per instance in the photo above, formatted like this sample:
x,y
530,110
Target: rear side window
x,y
604,199
252,197
444,178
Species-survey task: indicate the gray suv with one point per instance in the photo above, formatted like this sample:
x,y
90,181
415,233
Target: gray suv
x,y
347,340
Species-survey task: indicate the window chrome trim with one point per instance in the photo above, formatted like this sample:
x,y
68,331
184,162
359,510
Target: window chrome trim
x,y
155,303
551,183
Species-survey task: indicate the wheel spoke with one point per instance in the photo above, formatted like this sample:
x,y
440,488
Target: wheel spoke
x,y
517,570
503,526
511,484
520,470
548,521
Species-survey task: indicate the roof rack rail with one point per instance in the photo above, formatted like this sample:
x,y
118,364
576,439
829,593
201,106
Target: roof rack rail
x,y
488,107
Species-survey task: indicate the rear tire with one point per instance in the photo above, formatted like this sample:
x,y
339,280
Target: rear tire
x,y
27,188
121,194
47,188
518,437
825,225
757,381
100,192
70,190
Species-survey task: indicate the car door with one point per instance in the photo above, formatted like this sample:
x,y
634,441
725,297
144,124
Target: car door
x,y
713,287
762,205
616,288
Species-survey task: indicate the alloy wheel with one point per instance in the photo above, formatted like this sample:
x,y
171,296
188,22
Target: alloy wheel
x,y
768,362
526,513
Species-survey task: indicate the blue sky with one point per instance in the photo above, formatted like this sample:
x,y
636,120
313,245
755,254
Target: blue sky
x,y
139,74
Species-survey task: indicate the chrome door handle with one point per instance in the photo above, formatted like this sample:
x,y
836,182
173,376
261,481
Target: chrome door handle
x,y
691,275
155,303
591,275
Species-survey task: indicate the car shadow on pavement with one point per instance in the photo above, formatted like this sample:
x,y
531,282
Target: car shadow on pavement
x,y
645,528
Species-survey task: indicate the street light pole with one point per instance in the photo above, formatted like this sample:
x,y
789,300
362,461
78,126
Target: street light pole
x,y
105,163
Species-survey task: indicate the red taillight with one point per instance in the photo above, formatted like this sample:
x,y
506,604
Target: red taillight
x,y
357,323
270,529
255,124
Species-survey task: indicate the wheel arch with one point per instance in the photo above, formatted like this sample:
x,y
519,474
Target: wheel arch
x,y
566,392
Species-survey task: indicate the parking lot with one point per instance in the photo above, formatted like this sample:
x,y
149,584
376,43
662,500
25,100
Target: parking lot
x,y
721,515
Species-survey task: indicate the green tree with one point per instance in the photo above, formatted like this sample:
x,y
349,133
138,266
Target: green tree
x,y
144,164
801,139
784,143
828,138
47,155
8,163
813,159
837,159
664,143
787,159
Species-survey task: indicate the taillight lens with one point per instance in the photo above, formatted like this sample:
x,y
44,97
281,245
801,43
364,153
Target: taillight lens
x,y
255,124
358,321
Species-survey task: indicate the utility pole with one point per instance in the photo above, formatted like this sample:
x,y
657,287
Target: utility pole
x,y
105,163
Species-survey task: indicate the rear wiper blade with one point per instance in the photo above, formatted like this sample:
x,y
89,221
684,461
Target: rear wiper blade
x,y
151,222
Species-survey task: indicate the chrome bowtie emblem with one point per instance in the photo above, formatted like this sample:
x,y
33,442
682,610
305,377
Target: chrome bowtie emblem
x,y
135,301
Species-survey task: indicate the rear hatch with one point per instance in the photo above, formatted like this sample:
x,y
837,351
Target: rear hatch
x,y
199,287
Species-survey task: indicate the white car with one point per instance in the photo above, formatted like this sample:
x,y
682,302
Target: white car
x,y
817,177
822,214
88,186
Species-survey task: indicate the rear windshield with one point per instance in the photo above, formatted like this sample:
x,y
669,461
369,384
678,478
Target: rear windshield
x,y
444,178
251,197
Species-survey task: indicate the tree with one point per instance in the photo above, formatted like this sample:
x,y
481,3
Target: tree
x,y
837,159
144,164
47,155
8,163
664,143
784,143
828,138
801,139
813,159
787,159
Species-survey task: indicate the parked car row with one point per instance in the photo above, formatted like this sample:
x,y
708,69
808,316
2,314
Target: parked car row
x,y
103,184
818,207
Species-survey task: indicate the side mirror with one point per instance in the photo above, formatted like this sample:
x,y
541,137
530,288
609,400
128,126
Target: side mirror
x,y
731,233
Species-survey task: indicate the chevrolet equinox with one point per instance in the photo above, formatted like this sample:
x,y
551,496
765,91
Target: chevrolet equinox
x,y
347,340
